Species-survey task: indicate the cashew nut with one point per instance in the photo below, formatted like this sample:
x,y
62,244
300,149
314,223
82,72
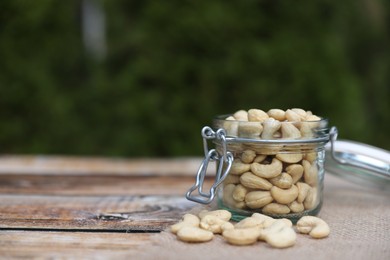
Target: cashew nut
x,y
277,134
257,115
302,113
258,199
250,222
250,180
227,226
212,223
289,131
271,149
278,114
194,234
242,236
285,237
240,192
231,126
241,115
280,234
275,226
259,158
289,157
310,157
267,170
287,222
250,129
303,190
239,167
228,197
188,220
270,127
232,179
314,226
296,207
312,118
284,196
296,172
283,181
266,220
307,128
310,172
293,116
276,208
219,213
248,156
311,199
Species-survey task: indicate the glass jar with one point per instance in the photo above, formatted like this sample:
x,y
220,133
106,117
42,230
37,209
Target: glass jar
x,y
261,169
274,168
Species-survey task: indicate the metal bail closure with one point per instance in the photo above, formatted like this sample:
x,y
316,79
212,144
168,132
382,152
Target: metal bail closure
x,y
224,163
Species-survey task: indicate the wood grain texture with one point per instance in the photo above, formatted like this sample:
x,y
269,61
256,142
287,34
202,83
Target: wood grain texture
x,y
43,213
74,245
96,185
127,213
45,203
66,165
68,195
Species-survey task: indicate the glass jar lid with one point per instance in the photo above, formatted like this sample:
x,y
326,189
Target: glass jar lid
x,y
357,162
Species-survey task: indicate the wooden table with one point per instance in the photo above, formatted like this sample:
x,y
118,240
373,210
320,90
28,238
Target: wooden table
x,y
69,207
96,207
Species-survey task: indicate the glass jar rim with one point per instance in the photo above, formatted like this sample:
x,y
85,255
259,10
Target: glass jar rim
x,y
322,132
224,116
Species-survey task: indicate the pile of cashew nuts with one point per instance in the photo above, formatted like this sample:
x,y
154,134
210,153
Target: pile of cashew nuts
x,y
264,178
278,233
293,123
273,184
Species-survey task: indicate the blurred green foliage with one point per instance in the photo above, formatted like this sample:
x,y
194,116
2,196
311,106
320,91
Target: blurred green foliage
x,y
173,65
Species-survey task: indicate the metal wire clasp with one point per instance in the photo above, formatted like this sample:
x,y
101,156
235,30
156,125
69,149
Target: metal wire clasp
x,y
224,163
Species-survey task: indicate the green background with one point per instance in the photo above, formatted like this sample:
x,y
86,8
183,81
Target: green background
x,y
171,66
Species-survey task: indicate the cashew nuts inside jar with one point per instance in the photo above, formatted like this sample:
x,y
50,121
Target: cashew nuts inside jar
x,y
278,162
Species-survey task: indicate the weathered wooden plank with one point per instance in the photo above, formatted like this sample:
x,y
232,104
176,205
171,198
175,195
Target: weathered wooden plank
x,y
128,213
75,245
96,185
57,193
62,165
